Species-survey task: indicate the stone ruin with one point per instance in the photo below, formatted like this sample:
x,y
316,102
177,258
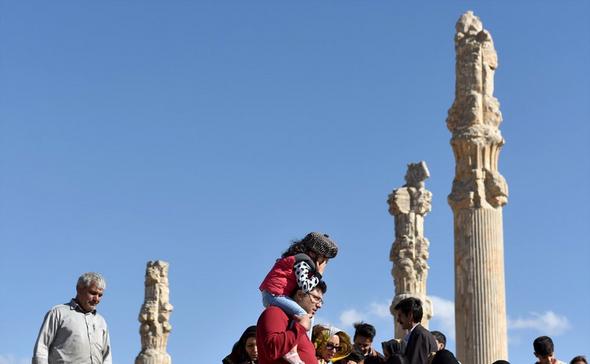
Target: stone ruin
x,y
409,252
478,194
155,315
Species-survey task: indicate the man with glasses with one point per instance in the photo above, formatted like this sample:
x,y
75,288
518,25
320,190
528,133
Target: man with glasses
x,y
277,333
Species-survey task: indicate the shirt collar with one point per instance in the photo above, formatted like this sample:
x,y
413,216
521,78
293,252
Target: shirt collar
x,y
75,306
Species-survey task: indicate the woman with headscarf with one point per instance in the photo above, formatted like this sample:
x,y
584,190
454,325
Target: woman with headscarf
x,y
331,344
244,351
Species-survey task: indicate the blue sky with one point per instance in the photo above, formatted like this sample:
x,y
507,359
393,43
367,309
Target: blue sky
x,y
209,134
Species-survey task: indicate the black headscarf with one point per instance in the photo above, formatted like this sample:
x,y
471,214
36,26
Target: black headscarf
x,y
238,353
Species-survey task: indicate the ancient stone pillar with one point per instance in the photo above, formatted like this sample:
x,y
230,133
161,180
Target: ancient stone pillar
x,y
409,252
477,197
154,316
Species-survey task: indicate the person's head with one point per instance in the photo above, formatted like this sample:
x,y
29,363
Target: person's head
x,y
319,246
408,312
543,346
89,290
364,334
355,357
444,357
313,300
391,347
441,339
244,350
501,362
580,359
331,344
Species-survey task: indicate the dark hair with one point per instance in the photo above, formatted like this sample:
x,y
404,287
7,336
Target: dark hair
x,y
296,247
444,357
364,329
322,286
578,358
410,305
440,337
501,362
355,356
238,353
315,245
391,347
543,346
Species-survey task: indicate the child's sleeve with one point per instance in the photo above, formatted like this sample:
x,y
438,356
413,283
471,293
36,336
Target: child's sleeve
x,y
307,277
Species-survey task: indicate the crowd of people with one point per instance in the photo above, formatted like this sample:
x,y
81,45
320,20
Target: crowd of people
x,y
292,292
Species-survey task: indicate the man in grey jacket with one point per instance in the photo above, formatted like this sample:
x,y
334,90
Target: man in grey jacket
x,y
74,332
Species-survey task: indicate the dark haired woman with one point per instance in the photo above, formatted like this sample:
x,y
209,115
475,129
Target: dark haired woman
x,y
244,351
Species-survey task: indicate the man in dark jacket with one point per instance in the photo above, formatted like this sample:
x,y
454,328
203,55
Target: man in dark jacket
x,y
419,341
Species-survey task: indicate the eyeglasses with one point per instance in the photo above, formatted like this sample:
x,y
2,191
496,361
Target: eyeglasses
x,y
330,346
315,299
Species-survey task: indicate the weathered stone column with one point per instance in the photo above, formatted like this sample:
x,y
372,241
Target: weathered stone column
x,y
477,197
154,316
409,252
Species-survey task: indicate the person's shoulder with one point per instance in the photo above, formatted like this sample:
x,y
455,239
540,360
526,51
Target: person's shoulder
x,y
61,307
272,313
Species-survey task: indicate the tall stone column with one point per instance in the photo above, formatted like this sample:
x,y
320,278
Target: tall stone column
x,y
477,197
409,252
154,316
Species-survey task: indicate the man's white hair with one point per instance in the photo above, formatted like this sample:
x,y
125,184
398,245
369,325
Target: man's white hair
x,y
88,278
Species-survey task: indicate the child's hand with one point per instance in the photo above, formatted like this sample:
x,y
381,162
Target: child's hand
x,y
305,321
320,266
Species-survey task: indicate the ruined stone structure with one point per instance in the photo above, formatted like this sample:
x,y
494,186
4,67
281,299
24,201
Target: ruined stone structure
x,y
154,316
477,197
409,252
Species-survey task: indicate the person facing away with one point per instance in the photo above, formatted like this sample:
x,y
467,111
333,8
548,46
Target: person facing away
x,y
364,334
580,359
441,339
277,333
300,267
74,333
244,350
544,351
419,341
442,355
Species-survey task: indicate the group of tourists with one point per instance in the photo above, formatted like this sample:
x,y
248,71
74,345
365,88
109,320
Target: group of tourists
x,y
293,291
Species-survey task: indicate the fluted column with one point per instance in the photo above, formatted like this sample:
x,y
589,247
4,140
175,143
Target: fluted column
x,y
409,252
155,315
477,197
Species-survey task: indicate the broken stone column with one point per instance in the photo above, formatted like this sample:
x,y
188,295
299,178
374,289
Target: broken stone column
x,y
409,252
154,316
477,197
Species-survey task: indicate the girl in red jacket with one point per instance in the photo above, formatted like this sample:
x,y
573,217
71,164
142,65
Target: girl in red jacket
x,y
301,266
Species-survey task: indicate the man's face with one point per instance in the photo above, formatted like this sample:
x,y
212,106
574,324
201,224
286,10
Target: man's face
x,y
89,297
405,321
363,343
310,302
543,359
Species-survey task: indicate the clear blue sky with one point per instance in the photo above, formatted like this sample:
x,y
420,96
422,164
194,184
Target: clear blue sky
x,y
211,133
